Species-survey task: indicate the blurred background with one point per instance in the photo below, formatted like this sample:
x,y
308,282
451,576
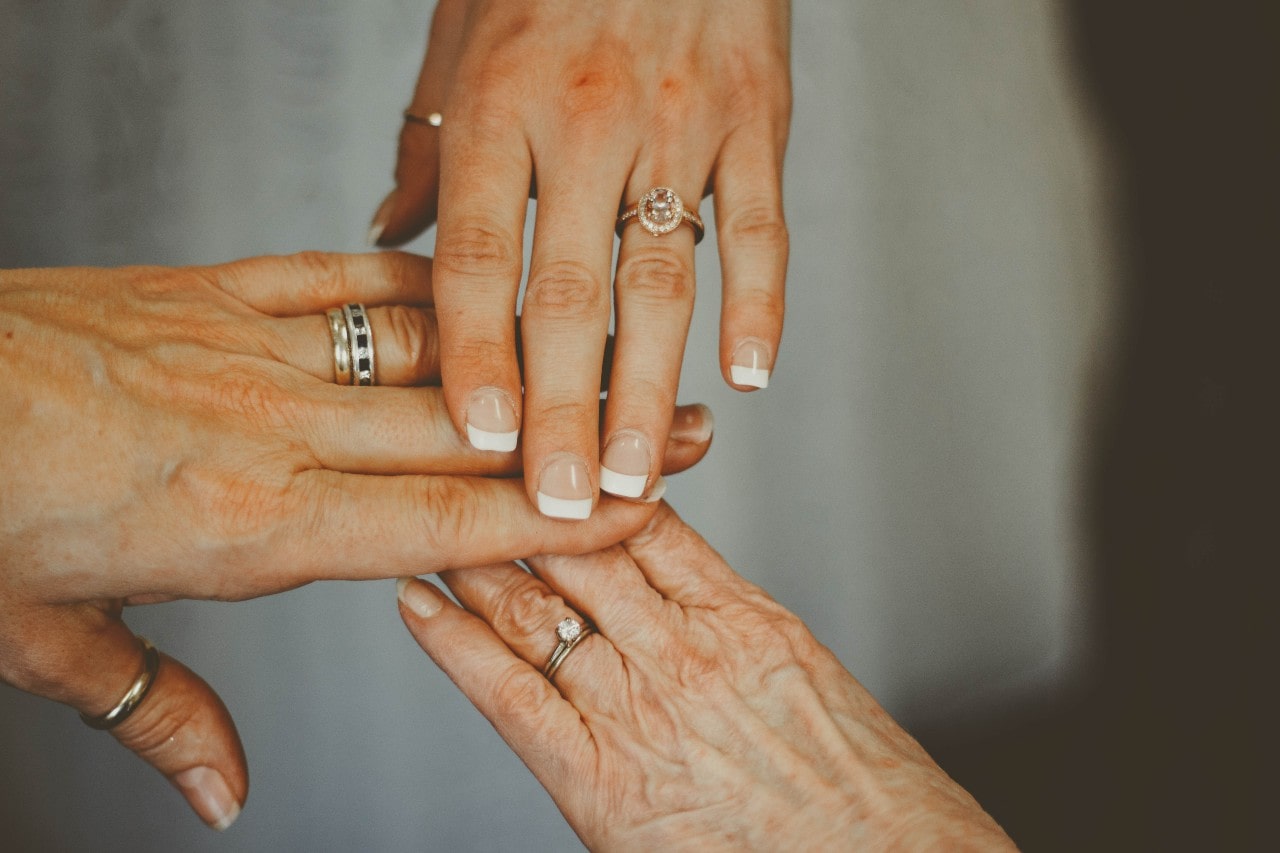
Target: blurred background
x,y
1013,466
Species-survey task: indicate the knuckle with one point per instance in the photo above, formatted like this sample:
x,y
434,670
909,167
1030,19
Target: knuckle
x,y
598,86
519,691
523,609
566,289
567,413
661,276
755,225
478,249
410,339
450,506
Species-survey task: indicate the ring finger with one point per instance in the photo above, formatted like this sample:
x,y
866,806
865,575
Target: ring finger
x,y
405,341
526,614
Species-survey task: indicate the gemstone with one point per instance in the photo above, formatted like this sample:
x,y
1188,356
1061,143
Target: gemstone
x,y
568,630
660,211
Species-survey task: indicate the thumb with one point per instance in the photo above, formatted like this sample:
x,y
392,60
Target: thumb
x,y
85,656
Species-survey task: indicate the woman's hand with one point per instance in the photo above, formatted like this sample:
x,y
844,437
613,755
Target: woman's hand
x,y
703,715
594,103
177,433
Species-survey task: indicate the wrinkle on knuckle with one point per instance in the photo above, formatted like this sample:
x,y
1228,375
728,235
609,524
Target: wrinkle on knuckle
x,y
757,224
566,289
659,276
523,609
448,507
407,329
597,86
478,249
518,692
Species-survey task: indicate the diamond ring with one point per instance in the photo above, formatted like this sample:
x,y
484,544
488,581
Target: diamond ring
x,y
660,211
570,632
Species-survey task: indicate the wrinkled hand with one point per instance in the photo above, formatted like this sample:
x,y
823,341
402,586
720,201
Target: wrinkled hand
x,y
593,103
703,715
177,433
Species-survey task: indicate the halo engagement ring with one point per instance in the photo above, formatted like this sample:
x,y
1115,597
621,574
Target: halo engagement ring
x,y
660,211
570,632
133,696
352,337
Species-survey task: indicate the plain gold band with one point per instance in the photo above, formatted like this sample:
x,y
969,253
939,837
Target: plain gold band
x,y
134,695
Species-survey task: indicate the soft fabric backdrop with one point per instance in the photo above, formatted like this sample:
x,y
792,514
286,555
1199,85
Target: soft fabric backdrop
x,y
907,484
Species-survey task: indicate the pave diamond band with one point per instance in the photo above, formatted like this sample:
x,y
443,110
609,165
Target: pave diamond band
x,y
660,211
569,632
360,343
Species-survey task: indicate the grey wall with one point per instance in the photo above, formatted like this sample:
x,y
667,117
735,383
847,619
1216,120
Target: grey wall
x,y
907,484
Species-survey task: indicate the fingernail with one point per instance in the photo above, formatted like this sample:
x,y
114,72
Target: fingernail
x,y
751,364
208,794
564,491
380,219
418,596
624,469
659,489
693,424
491,421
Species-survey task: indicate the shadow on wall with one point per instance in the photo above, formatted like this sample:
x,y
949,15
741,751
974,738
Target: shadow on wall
x,y
1169,744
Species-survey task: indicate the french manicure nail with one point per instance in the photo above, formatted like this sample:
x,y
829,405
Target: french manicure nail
x,y
491,421
693,424
751,364
208,794
418,596
624,469
380,219
659,489
564,491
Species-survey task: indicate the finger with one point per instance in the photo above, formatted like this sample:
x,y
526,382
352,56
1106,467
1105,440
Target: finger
x,y
479,249
526,710
564,324
410,208
524,612
676,561
312,282
654,297
86,657
752,234
346,526
405,340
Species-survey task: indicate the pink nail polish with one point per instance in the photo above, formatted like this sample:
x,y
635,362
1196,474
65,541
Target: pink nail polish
x,y
693,424
491,421
751,364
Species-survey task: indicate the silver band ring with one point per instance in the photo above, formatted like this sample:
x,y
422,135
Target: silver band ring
x,y
341,346
430,120
570,632
660,211
134,695
360,339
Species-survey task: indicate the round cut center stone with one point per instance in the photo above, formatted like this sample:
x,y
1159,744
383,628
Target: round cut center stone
x,y
661,211
568,630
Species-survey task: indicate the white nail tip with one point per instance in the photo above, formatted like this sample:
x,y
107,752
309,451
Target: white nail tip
x,y
224,823
659,489
374,233
503,442
622,485
752,377
577,510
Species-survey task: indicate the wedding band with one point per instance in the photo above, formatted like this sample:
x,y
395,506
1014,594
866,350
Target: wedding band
x,y
135,694
660,211
360,344
341,346
570,632
431,119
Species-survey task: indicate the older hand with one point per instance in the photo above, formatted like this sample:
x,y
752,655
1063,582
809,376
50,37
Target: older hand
x,y
702,715
595,103
177,433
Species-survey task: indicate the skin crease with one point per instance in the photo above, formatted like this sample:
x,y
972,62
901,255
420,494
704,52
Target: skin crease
x,y
177,433
587,104
702,716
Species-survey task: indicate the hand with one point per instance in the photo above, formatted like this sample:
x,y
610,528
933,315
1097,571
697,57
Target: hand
x,y
703,715
596,103
177,433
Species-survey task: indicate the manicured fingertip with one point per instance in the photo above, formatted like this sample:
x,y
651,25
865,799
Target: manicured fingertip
x,y
420,597
564,488
658,491
380,219
693,424
209,795
624,468
491,421
751,364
